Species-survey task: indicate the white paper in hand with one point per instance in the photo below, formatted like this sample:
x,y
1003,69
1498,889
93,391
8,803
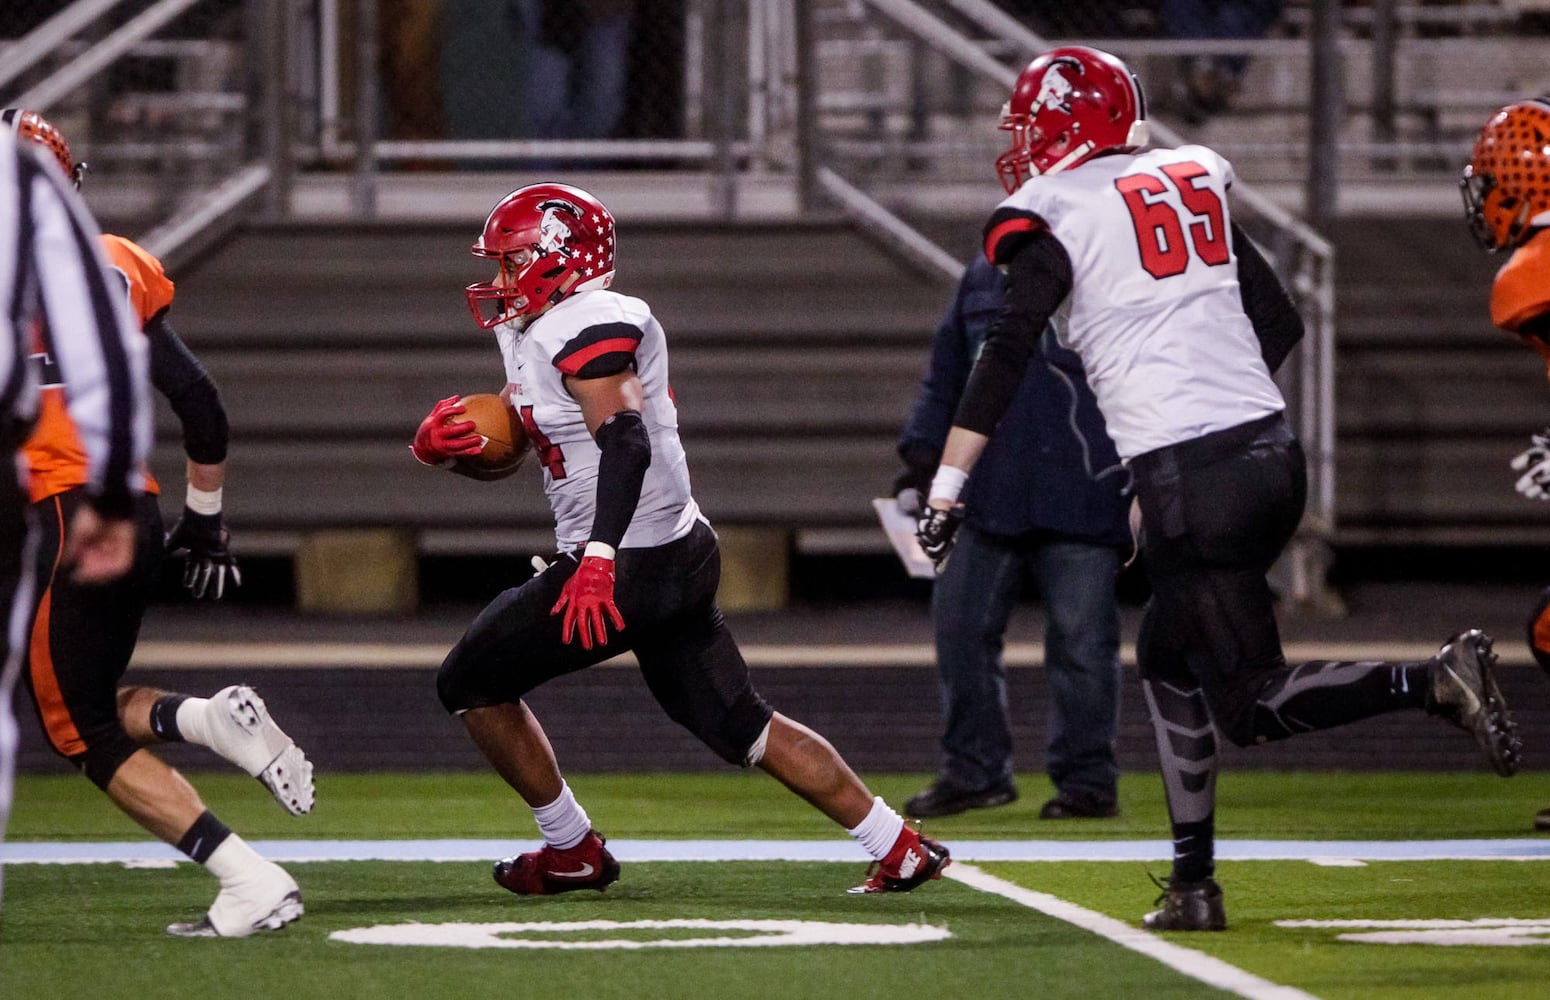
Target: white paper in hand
x,y
900,529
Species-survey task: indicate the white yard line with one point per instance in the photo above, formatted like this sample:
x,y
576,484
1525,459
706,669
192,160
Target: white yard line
x,y
179,655
1197,965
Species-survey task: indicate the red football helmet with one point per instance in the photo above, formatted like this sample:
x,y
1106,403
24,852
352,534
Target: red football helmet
x,y
35,128
1068,106
552,240
1506,184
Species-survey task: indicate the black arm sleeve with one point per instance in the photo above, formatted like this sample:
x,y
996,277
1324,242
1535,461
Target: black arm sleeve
x,y
621,468
1038,279
1276,321
179,376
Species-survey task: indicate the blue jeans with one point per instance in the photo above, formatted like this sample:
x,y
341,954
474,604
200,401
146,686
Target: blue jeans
x,y
971,605
576,95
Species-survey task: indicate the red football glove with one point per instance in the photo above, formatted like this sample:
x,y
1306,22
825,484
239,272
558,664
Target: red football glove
x,y
438,439
584,598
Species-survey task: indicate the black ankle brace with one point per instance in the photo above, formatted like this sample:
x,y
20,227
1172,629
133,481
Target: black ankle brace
x,y
164,717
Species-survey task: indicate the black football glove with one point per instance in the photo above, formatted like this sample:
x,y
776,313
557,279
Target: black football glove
x,y
207,560
935,531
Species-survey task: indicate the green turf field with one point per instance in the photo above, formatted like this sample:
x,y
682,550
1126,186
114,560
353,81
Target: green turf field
x,y
96,930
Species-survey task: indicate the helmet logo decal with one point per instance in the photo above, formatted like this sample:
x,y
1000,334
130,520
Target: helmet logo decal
x,y
1054,89
554,232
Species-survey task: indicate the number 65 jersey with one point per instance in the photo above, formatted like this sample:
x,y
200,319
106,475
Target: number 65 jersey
x,y
592,335
1155,309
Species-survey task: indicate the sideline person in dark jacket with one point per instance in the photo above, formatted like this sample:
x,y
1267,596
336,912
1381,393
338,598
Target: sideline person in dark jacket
x,y
1047,500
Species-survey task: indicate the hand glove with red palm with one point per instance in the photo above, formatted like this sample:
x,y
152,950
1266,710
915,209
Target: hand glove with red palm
x,y
585,598
440,437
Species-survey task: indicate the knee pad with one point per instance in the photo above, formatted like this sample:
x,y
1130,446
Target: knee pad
x,y
737,734
107,747
454,688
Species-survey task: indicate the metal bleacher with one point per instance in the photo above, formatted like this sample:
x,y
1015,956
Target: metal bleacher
x,y
798,338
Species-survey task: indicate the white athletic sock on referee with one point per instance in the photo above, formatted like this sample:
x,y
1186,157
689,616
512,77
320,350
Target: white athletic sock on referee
x,y
563,822
880,830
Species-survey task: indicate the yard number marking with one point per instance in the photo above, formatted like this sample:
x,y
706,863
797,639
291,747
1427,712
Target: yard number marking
x,y
1505,932
543,934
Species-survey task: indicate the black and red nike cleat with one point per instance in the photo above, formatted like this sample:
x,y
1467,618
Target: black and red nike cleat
x,y
914,860
549,870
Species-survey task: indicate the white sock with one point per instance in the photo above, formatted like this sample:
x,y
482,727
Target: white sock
x,y
563,822
880,830
233,860
191,721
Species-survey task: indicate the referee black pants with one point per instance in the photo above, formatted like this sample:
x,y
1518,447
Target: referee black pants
x,y
15,600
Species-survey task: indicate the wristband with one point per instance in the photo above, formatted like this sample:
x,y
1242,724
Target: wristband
x,y
205,502
948,483
601,550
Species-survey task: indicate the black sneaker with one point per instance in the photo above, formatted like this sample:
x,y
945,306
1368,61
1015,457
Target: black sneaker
x,y
1188,906
1078,805
946,799
1463,690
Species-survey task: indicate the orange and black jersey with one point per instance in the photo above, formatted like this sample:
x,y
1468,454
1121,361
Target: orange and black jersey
x,y
1520,297
54,453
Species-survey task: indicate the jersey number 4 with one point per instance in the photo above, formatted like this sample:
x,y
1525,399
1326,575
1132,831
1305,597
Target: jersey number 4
x,y
1159,229
549,453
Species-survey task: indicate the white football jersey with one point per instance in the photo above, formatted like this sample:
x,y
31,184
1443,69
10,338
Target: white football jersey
x,y
594,328
1154,310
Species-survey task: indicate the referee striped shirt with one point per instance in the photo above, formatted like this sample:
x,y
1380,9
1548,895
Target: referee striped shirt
x,y
51,271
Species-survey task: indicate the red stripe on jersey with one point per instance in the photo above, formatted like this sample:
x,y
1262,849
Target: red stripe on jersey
x,y
1002,230
574,363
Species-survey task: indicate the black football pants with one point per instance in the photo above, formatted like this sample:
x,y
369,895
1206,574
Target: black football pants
x,y
1217,511
667,597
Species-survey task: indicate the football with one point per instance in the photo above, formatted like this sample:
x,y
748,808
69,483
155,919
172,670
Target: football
x,y
506,444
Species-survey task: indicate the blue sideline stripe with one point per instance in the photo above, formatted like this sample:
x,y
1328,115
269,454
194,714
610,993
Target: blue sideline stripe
x,y
136,852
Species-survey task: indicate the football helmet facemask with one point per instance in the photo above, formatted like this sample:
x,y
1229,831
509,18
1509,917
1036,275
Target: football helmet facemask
x,y
1068,106
33,127
551,241
1506,184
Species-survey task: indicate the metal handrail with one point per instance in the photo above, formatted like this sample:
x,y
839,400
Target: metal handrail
x,y
83,67
42,41
168,239
865,210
